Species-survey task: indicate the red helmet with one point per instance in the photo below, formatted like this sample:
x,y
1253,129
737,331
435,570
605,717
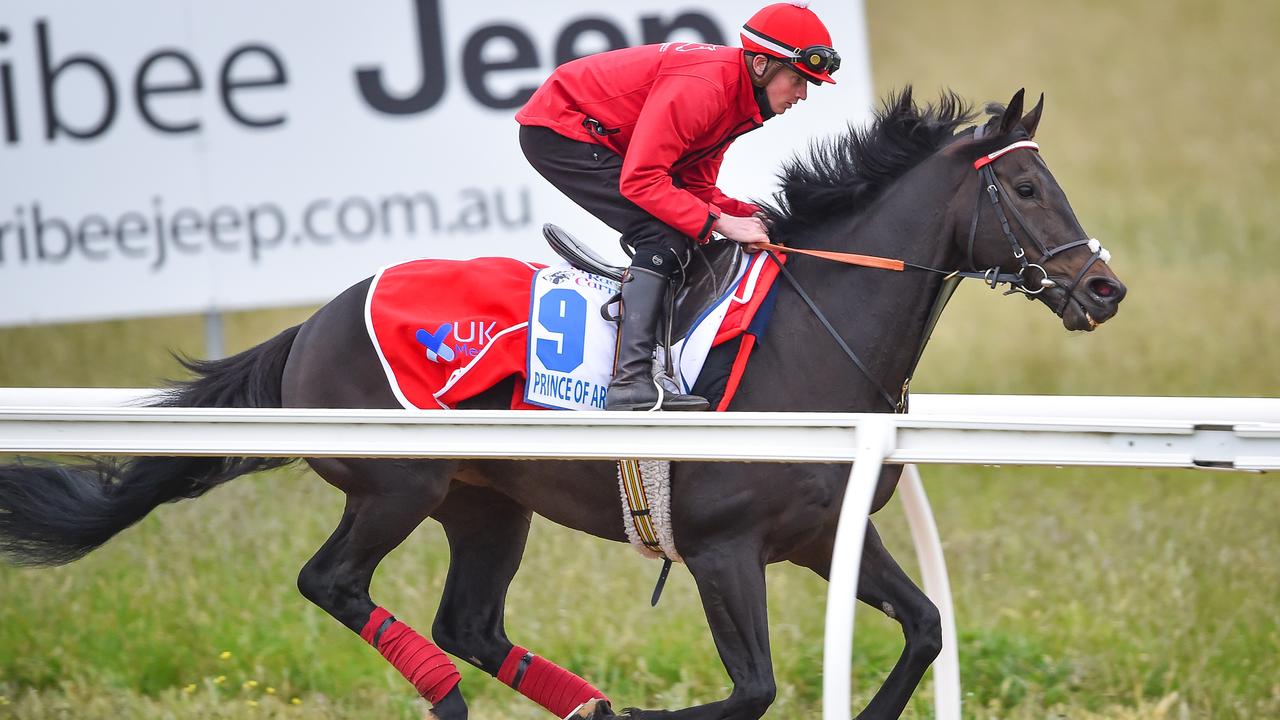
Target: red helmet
x,y
791,32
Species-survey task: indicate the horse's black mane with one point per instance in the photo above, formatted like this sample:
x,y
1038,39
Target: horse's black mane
x,y
845,173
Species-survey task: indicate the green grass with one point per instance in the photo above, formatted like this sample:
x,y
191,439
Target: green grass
x,y
1081,593
1081,590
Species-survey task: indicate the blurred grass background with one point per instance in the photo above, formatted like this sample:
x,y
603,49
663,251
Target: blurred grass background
x,y
1081,593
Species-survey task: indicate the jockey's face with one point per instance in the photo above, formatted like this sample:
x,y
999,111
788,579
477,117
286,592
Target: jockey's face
x,y
786,88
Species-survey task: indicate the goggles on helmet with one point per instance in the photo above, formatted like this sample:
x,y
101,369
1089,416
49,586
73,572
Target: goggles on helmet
x,y
819,59
816,59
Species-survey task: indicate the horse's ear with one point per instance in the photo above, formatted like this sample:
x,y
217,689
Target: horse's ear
x,y
1032,119
1012,113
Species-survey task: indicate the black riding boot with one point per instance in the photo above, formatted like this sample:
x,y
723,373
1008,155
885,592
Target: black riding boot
x,y
633,386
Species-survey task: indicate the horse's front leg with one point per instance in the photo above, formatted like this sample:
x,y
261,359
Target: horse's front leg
x,y
883,585
731,583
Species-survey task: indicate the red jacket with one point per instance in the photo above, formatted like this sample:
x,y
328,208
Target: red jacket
x,y
670,111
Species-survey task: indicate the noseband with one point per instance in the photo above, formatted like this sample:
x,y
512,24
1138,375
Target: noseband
x,y
1019,281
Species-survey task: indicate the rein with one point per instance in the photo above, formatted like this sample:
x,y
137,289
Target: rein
x,y
896,405
991,277
871,261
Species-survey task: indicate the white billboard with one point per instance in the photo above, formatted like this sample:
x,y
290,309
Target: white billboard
x,y
170,156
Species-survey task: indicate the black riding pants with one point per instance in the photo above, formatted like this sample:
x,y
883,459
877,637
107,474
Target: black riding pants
x,y
590,175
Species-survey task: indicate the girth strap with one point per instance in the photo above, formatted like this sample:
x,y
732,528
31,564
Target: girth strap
x,y
638,504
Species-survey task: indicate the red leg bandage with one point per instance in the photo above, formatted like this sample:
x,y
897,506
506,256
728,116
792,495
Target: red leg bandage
x,y
546,683
417,658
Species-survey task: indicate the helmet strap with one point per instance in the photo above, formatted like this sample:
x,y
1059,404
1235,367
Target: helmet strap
x,y
762,102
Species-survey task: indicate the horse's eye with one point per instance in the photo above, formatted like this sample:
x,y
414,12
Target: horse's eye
x,y
1025,190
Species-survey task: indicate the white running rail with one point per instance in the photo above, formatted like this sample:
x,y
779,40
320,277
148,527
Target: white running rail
x,y
1216,433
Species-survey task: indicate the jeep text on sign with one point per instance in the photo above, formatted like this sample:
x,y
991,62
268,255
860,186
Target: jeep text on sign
x,y
169,156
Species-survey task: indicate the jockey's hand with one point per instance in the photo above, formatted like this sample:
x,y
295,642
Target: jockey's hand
x,y
768,223
747,230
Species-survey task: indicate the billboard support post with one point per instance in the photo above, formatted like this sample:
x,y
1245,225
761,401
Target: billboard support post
x,y
214,338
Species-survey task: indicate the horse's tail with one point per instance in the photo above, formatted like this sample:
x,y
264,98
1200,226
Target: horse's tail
x,y
51,514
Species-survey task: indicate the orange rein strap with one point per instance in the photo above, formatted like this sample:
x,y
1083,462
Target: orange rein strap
x,y
848,258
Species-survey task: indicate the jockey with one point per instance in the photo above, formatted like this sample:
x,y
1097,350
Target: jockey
x,y
636,137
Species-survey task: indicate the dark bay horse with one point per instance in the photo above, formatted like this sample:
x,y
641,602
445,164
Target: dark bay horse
x,y
920,184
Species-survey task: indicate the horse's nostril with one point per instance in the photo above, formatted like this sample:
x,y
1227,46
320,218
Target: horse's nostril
x,y
1106,289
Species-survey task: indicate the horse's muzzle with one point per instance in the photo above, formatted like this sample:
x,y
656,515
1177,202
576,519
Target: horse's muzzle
x,y
1094,301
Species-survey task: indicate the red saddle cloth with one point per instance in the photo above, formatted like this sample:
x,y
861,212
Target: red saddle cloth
x,y
448,330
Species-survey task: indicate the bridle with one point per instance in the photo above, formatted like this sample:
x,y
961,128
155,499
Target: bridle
x,y
991,187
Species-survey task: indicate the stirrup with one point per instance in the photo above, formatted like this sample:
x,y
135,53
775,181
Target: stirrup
x,y
661,399
670,397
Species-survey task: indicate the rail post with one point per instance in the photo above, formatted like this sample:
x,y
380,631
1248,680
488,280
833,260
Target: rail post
x,y
933,566
875,440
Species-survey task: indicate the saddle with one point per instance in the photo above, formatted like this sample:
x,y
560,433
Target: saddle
x,y
708,274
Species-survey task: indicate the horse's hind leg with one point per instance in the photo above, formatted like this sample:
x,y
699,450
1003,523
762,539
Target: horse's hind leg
x,y
487,533
731,584
386,500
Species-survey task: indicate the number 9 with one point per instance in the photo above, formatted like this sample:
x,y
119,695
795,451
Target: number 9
x,y
563,312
